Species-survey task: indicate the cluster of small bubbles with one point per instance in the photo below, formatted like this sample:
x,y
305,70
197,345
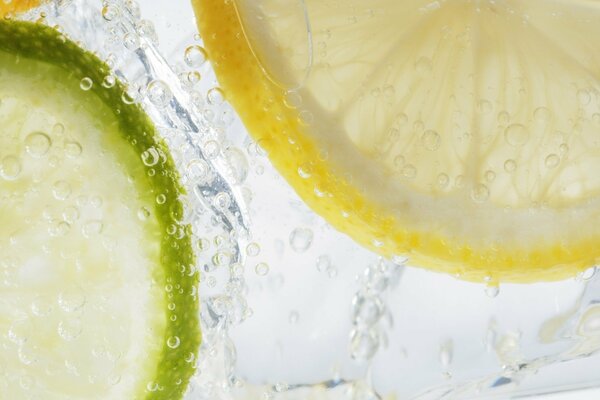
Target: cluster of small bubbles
x,y
261,269
431,140
72,148
110,11
300,239
161,198
363,344
159,93
61,190
37,144
215,96
516,135
552,161
510,165
86,83
92,228
194,56
143,213
480,193
150,157
10,168
253,249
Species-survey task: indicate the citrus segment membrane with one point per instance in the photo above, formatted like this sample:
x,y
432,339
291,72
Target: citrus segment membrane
x,y
97,277
463,134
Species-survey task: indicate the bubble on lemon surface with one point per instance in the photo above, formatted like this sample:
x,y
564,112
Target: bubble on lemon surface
x,y
431,140
61,190
37,144
300,239
73,148
516,135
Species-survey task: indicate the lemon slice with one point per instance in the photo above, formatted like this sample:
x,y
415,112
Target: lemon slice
x,y
15,6
465,134
97,296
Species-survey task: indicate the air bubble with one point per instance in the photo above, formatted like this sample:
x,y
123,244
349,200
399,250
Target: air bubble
x,y
366,310
37,144
194,56
61,190
109,81
161,198
443,180
552,161
409,171
215,96
480,193
584,97
305,171
510,165
300,239
86,84
159,93
237,165
143,213
492,290
503,117
261,269
484,107
110,12
10,168
173,342
253,249
431,140
70,329
323,263
72,149
516,135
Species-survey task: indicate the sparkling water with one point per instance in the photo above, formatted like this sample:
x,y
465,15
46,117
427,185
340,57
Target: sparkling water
x,y
291,308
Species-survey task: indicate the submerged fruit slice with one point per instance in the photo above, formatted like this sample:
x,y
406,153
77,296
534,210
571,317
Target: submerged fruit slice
x,y
15,6
97,286
462,133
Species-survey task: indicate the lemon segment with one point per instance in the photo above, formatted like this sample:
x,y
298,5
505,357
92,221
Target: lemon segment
x,y
463,134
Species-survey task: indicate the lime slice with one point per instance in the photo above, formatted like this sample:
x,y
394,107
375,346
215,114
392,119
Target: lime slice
x,y
97,283
463,134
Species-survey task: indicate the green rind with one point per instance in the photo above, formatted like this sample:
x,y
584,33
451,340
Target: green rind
x,y
42,43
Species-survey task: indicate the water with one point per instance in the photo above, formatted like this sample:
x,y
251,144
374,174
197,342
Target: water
x,y
290,307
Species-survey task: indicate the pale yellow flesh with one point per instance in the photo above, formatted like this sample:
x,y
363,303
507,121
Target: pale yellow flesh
x,y
79,309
